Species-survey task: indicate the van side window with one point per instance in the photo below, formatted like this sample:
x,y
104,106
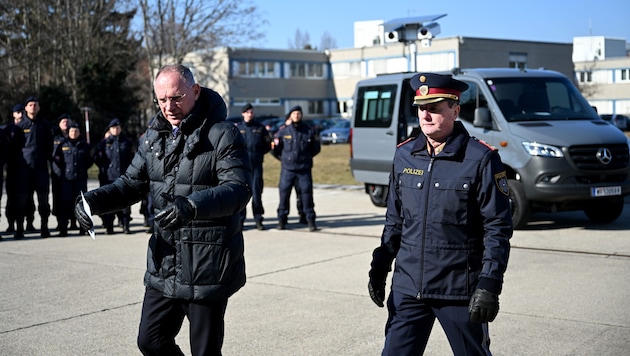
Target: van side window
x,y
470,100
375,106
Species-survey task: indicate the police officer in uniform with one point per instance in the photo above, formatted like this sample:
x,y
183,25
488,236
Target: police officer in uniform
x,y
258,144
112,156
295,146
34,173
71,161
448,225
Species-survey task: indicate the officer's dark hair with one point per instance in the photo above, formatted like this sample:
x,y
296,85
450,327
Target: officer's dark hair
x,y
451,102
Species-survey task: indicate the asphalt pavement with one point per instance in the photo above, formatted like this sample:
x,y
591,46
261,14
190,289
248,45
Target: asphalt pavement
x,y
566,290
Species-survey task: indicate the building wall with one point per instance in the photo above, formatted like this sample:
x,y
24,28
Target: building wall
x,y
609,87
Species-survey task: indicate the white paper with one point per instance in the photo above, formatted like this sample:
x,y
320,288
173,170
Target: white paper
x,y
88,211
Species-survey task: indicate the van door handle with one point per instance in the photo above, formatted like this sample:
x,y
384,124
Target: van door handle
x,y
389,133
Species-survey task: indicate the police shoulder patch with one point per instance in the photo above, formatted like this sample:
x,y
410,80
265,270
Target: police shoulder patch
x,y
406,141
500,179
485,143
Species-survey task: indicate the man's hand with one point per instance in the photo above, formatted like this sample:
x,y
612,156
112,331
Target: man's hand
x,y
178,213
377,291
82,217
484,306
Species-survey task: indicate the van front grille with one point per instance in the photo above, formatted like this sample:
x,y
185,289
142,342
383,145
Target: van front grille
x,y
585,157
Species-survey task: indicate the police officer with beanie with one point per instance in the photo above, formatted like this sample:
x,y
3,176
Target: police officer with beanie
x,y
33,170
448,225
112,156
71,161
258,143
295,146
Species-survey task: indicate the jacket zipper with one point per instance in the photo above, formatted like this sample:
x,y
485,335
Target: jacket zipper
x,y
424,225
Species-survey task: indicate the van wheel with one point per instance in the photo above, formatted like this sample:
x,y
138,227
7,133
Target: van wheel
x,y
378,194
521,209
604,211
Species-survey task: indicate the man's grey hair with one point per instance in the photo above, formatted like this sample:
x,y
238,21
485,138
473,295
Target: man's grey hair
x,y
183,71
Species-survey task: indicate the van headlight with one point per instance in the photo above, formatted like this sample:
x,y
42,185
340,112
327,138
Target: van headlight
x,y
538,149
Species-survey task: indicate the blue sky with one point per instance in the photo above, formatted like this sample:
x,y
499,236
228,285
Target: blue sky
x,y
534,20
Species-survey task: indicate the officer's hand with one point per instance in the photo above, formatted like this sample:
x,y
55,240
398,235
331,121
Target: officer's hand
x,y
178,213
484,306
82,217
377,291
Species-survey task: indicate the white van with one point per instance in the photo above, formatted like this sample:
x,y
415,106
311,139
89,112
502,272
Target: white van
x,y
558,153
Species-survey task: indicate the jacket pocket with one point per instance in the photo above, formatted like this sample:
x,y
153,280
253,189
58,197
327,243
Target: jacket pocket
x,y
204,256
449,201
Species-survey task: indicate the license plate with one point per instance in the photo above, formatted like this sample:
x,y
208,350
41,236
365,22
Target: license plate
x,y
605,191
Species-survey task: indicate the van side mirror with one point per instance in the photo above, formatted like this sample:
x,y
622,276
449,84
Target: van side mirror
x,y
482,118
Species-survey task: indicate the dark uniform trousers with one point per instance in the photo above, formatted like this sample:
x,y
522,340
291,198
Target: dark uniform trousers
x,y
303,182
410,322
162,319
257,188
33,180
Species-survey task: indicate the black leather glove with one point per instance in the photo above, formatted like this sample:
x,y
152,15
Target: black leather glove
x,y
178,213
377,291
83,218
484,306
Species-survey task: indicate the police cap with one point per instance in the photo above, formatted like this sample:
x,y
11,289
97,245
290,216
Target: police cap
x,y
63,116
114,122
295,108
73,124
247,106
431,88
31,98
18,107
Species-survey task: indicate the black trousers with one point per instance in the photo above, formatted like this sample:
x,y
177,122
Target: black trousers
x,y
302,180
162,319
410,322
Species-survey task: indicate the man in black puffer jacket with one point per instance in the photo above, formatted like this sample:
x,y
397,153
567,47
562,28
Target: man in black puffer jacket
x,y
194,164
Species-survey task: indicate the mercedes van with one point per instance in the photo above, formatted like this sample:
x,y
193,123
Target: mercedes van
x,y
558,153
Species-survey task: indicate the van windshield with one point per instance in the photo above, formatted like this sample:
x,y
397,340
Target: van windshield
x,y
542,98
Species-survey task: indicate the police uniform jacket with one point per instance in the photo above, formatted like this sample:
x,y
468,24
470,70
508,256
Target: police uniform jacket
x,y
113,155
257,140
208,164
38,145
71,159
448,220
295,146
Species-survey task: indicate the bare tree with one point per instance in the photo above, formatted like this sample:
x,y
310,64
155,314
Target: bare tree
x,y
301,40
174,28
328,41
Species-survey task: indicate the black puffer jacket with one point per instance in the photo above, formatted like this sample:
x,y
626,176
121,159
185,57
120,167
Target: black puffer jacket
x,y
208,164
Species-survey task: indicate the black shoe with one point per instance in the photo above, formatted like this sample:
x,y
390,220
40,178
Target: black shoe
x,y
126,229
63,233
281,225
18,235
45,233
303,219
312,226
10,229
74,227
30,228
259,225
109,231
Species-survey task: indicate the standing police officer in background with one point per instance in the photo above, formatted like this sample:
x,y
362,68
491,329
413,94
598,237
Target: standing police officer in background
x,y
448,225
258,144
112,156
295,146
71,161
33,173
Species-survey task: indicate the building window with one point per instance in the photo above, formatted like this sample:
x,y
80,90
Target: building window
x,y
309,107
306,70
585,76
518,60
258,69
256,101
624,75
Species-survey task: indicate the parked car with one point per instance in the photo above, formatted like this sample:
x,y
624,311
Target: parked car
x,y
621,121
340,133
273,124
321,124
